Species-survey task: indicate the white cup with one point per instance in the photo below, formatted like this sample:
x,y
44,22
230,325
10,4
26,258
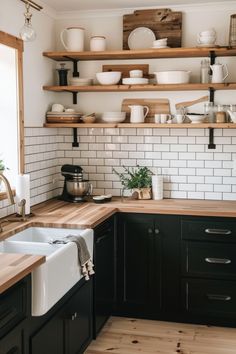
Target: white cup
x,y
208,32
179,118
164,117
98,43
157,118
206,39
57,107
136,73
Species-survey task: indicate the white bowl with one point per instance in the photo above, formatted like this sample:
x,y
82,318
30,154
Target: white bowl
x,y
109,77
134,81
79,81
113,117
196,118
173,77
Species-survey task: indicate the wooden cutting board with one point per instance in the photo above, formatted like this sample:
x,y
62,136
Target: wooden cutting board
x,y
125,69
163,22
155,105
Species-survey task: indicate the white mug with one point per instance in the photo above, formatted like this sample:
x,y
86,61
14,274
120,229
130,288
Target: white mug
x,y
179,118
75,39
57,107
164,117
208,32
157,118
98,43
136,73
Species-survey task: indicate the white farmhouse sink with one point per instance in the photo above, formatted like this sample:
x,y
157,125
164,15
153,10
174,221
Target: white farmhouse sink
x,y
60,272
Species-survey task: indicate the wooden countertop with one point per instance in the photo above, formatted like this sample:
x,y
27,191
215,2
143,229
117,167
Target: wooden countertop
x,y
56,213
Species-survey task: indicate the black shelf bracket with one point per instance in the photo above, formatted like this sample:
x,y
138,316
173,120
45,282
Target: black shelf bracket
x,y
75,140
211,144
212,94
212,56
75,74
74,97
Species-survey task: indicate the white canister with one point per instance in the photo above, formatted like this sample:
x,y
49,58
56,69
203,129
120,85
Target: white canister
x,y
75,39
157,187
97,43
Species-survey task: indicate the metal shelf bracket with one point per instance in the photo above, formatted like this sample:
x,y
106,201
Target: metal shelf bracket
x,y
75,74
75,140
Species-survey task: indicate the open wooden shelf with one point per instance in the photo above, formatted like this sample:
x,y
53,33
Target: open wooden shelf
x,y
150,87
142,54
141,125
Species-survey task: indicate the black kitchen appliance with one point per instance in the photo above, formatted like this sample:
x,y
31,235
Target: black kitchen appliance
x,y
75,189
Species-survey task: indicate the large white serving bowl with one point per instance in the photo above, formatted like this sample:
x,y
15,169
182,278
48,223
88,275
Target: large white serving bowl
x,y
113,117
196,118
109,77
61,271
173,77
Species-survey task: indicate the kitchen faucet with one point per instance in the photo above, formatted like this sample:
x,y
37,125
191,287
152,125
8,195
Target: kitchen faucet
x,y
10,196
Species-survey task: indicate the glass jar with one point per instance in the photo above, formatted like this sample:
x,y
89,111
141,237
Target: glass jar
x,y
209,110
205,70
220,114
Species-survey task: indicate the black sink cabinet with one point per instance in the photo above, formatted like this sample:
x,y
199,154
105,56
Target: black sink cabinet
x,y
148,266
104,278
67,327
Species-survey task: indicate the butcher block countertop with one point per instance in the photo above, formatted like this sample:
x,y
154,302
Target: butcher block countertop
x,y
56,213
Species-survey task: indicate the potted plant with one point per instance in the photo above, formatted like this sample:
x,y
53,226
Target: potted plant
x,y
137,179
2,166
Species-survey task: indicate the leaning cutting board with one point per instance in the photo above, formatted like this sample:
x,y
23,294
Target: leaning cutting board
x,y
163,22
155,105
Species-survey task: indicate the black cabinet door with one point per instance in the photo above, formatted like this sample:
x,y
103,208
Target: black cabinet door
x,y
104,279
77,319
49,338
12,343
138,263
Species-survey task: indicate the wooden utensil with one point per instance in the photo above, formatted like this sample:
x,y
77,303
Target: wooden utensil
x,y
125,69
155,105
191,103
163,22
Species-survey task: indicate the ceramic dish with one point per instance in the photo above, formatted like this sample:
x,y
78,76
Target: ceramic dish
x,y
102,199
141,38
173,77
135,81
196,118
76,81
160,47
108,77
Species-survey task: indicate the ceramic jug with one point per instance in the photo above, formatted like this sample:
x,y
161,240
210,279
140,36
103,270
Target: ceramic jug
x,y
138,113
75,39
219,73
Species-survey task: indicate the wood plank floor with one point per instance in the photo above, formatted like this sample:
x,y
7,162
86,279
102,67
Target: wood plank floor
x,y
134,336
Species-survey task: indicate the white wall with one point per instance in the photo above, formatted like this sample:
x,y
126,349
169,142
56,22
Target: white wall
x,y
37,69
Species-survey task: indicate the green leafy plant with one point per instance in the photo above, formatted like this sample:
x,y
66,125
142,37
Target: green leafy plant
x,y
2,165
135,177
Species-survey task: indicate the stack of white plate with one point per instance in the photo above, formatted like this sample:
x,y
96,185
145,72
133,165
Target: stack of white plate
x,y
63,117
79,81
135,81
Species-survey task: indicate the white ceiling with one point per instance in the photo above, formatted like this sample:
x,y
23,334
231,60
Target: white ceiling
x,y
77,5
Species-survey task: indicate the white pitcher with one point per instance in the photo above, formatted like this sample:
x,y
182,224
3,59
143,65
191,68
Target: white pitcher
x,y
75,39
138,113
219,73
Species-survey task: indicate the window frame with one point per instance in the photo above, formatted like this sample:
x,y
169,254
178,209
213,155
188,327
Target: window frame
x,y
17,44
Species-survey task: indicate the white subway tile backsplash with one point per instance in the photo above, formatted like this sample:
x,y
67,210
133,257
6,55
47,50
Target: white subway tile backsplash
x,y
191,170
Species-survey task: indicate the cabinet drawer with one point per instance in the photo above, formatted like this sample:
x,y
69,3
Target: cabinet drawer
x,y
209,259
13,307
214,229
212,298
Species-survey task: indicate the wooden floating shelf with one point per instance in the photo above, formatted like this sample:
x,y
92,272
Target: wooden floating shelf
x,y
142,54
150,87
141,125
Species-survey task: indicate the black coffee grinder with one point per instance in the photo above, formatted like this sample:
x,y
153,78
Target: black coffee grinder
x,y
75,189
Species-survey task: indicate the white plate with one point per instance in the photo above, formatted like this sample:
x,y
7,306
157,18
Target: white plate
x,y
134,81
141,38
161,47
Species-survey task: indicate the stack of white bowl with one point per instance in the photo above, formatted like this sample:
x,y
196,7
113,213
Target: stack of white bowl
x,y
79,81
136,78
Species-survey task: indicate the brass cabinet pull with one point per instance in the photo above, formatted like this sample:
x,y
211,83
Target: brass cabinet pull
x,y
218,231
218,260
218,297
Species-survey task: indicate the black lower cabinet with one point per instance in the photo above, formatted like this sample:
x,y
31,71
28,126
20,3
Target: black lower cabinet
x,y
12,343
104,278
67,327
148,266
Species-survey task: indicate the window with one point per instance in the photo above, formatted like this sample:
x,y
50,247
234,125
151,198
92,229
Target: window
x,y
11,105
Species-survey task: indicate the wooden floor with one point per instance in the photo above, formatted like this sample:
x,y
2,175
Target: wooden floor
x,y
134,336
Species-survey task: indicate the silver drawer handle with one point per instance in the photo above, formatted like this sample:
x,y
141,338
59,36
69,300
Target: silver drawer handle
x,y
218,260
218,231
219,297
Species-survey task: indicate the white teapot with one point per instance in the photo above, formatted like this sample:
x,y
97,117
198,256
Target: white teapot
x,y
219,73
